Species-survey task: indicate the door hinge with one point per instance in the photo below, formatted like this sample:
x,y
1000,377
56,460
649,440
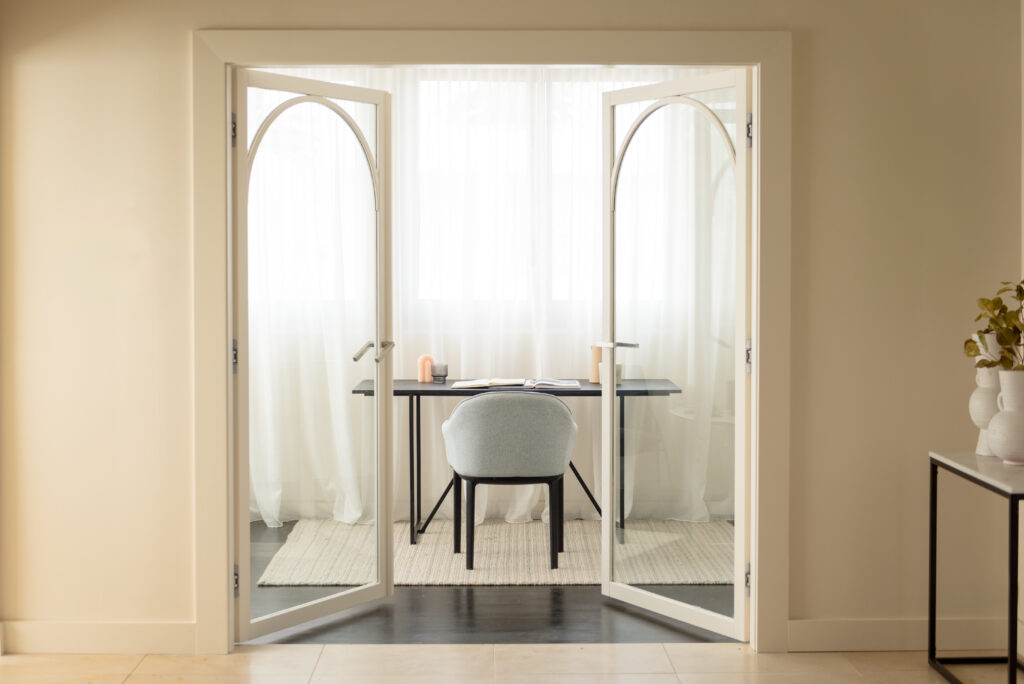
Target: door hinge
x,y
234,356
750,355
750,130
747,579
234,129
236,579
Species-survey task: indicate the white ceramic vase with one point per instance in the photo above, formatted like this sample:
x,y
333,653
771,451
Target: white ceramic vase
x,y
1006,429
983,406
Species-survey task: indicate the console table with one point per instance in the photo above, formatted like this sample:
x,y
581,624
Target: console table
x,y
1008,482
415,390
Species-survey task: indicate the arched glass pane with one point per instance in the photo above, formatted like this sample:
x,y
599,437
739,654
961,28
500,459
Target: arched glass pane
x,y
260,102
675,261
311,305
723,103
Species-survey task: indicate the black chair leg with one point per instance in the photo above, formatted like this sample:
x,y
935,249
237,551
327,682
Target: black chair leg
x,y
470,521
552,522
457,531
561,514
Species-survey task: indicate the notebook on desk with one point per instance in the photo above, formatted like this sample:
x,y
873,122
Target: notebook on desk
x,y
489,382
538,383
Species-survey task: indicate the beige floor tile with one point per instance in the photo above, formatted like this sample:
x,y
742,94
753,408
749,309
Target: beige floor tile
x,y
587,679
770,678
524,659
888,661
710,658
928,676
401,679
217,679
983,674
61,679
66,668
276,659
467,660
976,674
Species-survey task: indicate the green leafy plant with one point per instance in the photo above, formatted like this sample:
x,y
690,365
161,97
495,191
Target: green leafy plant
x,y
1006,323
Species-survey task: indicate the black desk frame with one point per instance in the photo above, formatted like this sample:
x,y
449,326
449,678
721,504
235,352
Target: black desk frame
x,y
415,390
939,664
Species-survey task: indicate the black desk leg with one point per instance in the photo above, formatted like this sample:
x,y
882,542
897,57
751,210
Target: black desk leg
x,y
586,489
622,469
932,534
412,474
452,482
419,464
1011,654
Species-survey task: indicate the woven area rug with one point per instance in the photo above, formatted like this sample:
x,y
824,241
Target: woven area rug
x,y
329,553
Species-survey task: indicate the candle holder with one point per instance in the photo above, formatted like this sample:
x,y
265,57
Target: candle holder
x,y
440,372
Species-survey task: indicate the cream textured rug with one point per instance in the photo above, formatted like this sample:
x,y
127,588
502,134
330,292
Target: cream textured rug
x,y
329,553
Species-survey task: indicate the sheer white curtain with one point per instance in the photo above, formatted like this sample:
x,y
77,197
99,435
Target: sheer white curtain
x,y
497,216
311,305
675,296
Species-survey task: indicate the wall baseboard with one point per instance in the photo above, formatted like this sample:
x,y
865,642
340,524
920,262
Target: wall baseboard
x,y
896,634
34,636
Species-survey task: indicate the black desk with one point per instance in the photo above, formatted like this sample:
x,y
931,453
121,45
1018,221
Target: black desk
x,y
414,390
1008,482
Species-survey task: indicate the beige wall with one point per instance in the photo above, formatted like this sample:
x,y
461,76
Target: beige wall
x,y
906,207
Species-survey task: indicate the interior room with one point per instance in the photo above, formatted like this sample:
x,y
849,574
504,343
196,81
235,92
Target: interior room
x,y
893,203
496,194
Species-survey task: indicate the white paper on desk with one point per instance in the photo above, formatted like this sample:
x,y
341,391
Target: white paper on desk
x,y
540,383
489,382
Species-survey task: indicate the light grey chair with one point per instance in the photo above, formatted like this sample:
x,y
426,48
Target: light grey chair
x,y
509,437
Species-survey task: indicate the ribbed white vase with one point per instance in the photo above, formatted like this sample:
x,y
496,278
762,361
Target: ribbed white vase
x,y
1006,429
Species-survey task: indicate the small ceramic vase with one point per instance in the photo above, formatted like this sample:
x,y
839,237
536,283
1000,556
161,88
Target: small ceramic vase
x,y
1006,429
982,405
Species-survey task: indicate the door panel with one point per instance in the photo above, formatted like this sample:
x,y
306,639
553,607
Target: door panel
x,y
311,273
676,227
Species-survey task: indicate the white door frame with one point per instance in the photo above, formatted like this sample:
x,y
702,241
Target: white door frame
x,y
215,50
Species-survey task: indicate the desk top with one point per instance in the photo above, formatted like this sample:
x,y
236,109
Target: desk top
x,y
986,469
629,388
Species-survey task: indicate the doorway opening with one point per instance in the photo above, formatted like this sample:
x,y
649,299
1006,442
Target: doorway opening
x,y
490,186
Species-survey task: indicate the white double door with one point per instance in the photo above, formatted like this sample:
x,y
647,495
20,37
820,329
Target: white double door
x,y
676,309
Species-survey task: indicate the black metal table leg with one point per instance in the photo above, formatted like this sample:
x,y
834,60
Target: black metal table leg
x,y
1011,652
412,474
1010,660
622,469
933,478
579,478
433,511
419,464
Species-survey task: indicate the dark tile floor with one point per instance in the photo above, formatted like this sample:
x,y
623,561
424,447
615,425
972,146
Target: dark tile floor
x,y
485,614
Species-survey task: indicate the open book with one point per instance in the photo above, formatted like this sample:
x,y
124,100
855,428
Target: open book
x,y
489,382
541,383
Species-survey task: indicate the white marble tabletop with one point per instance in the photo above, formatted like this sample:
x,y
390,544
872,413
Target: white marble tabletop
x,y
988,469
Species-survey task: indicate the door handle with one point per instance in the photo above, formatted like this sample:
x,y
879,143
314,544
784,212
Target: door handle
x,y
362,350
385,347
610,345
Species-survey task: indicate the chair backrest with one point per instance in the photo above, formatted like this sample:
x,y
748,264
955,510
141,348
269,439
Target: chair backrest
x,y
509,434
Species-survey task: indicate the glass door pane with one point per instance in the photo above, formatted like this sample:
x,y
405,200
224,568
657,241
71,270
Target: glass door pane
x,y
678,242
310,447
